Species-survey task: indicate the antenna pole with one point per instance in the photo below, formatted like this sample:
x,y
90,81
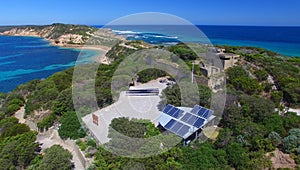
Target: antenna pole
x,y
193,73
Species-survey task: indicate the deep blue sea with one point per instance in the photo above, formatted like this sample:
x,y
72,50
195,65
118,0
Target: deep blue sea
x,y
283,40
26,58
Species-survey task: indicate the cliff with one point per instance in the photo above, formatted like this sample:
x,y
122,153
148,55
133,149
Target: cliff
x,y
65,34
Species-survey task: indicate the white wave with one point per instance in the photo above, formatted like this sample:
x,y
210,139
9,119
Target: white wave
x,y
164,36
125,32
170,43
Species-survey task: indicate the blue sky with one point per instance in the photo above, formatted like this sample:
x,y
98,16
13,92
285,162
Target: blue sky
x,y
99,12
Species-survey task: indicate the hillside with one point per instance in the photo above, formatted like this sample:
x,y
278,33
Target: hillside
x,y
64,34
250,129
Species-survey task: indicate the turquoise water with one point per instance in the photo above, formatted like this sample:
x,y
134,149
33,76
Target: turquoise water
x,y
26,58
283,40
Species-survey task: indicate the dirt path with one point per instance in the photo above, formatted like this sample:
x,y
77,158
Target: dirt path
x,y
20,115
51,138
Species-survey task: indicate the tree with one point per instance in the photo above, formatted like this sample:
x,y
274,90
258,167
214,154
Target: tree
x,y
261,75
275,138
70,126
291,93
275,124
257,108
203,156
204,95
150,74
291,142
183,51
238,156
240,79
46,122
236,72
63,103
56,158
247,85
18,151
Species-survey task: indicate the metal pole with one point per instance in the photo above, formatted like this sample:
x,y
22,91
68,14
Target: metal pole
x,y
193,73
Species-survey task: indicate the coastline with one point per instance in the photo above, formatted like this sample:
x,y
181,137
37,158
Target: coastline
x,y
102,59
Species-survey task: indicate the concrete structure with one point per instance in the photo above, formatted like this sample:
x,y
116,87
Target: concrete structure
x,y
228,59
208,71
215,75
141,107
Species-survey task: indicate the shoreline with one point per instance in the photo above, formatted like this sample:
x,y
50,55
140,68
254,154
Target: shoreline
x,y
102,59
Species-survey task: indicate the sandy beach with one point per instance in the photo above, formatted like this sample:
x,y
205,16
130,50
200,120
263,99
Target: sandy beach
x,y
102,49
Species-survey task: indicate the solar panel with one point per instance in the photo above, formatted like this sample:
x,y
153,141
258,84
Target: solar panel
x,y
199,122
178,113
196,109
170,124
176,127
192,120
172,111
183,121
167,108
183,130
207,114
201,111
186,117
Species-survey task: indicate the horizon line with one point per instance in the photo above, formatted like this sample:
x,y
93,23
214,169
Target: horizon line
x,y
232,25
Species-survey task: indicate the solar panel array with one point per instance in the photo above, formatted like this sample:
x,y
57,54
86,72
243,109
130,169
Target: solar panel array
x,y
177,127
202,111
173,111
196,118
193,120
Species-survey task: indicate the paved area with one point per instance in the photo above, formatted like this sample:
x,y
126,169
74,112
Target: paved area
x,y
295,110
143,107
50,139
54,139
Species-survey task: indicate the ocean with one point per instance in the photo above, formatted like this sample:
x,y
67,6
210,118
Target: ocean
x,y
283,40
26,58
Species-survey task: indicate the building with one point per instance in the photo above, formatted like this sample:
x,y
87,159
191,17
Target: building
x,y
208,71
185,122
228,59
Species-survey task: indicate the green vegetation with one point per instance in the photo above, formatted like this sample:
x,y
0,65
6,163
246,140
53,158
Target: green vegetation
x,y
284,71
250,126
135,128
204,156
240,79
56,158
46,122
150,74
173,95
61,29
10,104
17,150
70,126
183,52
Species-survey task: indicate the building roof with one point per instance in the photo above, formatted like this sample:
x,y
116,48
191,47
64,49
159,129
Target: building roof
x,y
184,121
